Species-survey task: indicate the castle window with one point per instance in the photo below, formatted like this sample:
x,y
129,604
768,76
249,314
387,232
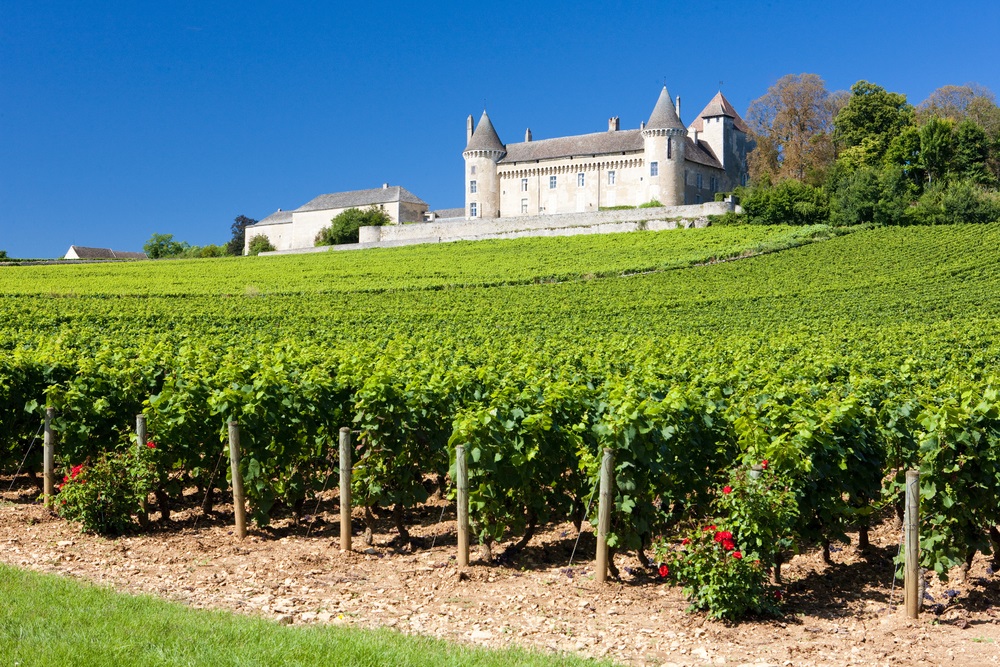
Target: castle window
x,y
670,146
579,180
524,185
524,206
472,170
472,210
611,178
698,182
714,183
654,168
472,187
552,182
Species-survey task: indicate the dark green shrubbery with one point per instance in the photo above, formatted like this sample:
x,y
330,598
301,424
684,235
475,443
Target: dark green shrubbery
x,y
344,227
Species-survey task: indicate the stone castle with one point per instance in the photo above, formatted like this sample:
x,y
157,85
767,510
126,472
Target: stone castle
x,y
661,161
573,178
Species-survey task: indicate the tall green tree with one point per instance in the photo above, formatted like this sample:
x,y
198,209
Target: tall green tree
x,y
238,230
972,153
936,148
867,124
904,154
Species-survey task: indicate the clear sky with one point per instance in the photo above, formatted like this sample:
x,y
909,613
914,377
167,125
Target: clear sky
x,y
123,119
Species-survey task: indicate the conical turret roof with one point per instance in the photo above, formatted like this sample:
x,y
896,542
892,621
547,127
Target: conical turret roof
x,y
664,116
485,137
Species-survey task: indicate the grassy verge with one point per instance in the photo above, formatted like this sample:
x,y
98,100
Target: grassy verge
x,y
49,620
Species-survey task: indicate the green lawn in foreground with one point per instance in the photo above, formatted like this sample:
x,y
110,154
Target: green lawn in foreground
x,y
47,620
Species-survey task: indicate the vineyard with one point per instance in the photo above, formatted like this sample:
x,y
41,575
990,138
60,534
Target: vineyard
x,y
838,360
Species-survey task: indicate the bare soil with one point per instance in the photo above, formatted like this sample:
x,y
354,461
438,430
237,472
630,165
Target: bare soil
x,y
847,613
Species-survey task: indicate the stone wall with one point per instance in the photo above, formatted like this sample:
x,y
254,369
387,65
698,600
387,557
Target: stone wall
x,y
564,224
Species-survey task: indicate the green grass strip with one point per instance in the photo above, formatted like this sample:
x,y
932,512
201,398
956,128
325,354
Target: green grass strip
x,y
50,620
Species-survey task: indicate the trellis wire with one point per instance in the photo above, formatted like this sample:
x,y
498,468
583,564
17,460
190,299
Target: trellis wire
x,y
211,480
25,459
593,492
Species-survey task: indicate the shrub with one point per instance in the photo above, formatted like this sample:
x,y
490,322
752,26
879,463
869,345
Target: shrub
x,y
259,244
652,203
790,202
344,227
723,567
103,496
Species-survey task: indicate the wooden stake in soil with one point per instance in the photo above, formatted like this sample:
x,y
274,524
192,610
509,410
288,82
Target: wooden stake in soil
x,y
604,514
911,581
234,460
345,489
462,473
140,437
49,458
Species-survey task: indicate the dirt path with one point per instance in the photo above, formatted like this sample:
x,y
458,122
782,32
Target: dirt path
x,y
837,615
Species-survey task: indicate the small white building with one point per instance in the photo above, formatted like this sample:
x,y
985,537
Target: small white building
x,y
287,230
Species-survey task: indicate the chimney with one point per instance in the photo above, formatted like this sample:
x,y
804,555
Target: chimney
x,y
678,108
527,135
385,186
642,125
613,124
468,130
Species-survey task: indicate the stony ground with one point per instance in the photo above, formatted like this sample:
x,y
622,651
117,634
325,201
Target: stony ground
x,y
841,614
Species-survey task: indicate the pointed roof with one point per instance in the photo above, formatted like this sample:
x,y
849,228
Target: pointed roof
x,y
485,137
664,116
719,106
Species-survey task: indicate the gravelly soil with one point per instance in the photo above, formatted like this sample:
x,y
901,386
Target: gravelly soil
x,y
836,614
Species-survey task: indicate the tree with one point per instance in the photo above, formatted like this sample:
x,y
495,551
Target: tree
x,y
791,124
259,244
904,153
936,147
972,153
344,227
789,202
238,229
3,254
867,124
160,246
955,102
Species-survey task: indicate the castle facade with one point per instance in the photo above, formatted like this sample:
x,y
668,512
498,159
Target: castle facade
x,y
661,161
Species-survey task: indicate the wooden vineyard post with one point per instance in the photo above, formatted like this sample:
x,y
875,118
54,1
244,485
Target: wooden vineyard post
x,y
911,580
234,460
49,459
604,514
462,473
140,438
345,489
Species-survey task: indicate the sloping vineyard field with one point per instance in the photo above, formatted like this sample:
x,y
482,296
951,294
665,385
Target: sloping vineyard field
x,y
841,361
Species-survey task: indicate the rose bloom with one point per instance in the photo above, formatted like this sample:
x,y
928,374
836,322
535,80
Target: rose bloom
x,y
727,489
708,528
763,464
737,555
686,540
664,571
151,444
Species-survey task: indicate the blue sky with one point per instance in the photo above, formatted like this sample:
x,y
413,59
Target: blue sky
x,y
120,120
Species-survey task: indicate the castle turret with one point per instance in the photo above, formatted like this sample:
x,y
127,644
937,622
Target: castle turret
x,y
482,185
719,126
665,141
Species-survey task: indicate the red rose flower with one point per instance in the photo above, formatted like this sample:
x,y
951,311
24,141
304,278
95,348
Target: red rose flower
x,y
76,470
728,545
686,540
763,464
723,535
737,555
664,571
727,489
708,528
151,444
